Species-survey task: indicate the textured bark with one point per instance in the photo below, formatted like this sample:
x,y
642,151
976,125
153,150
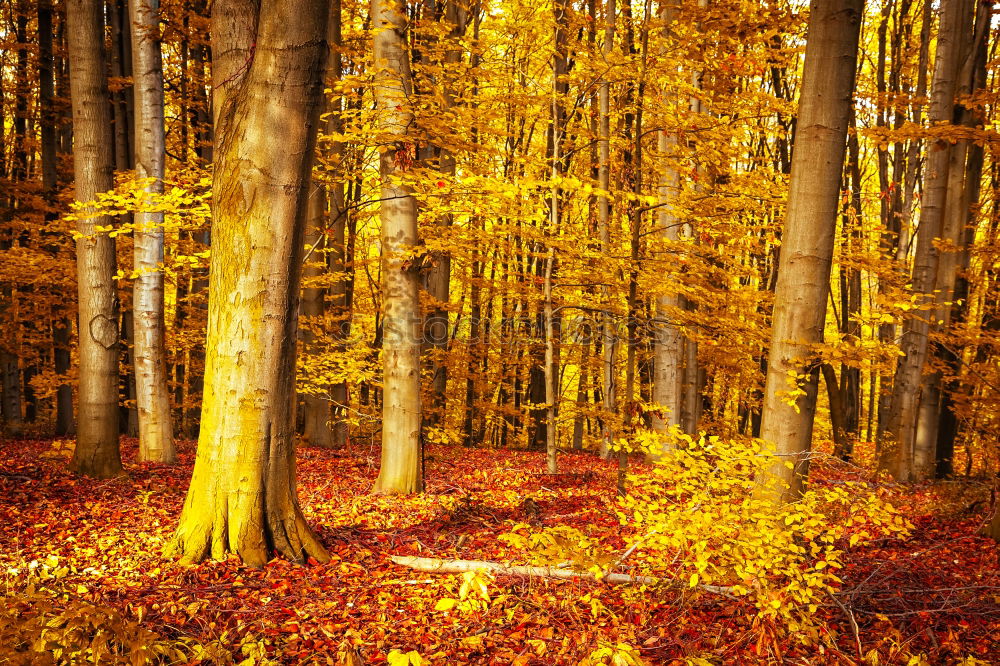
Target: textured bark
x,y
156,442
242,497
401,470
97,453
807,244
897,450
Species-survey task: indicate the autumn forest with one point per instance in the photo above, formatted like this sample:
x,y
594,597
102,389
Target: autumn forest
x,y
420,332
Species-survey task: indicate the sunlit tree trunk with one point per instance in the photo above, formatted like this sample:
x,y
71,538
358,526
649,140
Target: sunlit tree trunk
x,y
807,244
97,453
268,73
897,452
402,453
668,341
156,442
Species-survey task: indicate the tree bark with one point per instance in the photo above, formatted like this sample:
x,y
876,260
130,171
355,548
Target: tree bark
x,y
97,453
242,497
401,470
156,442
807,244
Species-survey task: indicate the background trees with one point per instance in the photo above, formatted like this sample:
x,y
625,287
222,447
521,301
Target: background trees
x,y
604,186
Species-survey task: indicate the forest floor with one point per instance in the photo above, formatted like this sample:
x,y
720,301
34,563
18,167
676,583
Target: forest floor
x,y
933,598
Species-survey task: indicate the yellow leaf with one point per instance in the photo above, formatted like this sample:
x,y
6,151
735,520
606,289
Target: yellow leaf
x,y
694,580
445,604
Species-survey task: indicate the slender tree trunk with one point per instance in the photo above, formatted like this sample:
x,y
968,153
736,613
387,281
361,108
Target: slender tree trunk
x,y
97,453
838,410
897,452
962,192
476,346
582,389
668,341
156,442
609,341
316,430
402,451
268,72
324,235
50,175
807,244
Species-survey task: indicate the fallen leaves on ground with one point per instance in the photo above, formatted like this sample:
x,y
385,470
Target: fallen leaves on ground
x,y
934,598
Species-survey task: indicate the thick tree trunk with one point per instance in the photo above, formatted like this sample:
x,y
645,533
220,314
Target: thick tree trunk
x,y
97,453
242,497
402,452
156,442
807,244
897,451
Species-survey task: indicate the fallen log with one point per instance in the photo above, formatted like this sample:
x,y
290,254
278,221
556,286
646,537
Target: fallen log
x,y
434,565
460,566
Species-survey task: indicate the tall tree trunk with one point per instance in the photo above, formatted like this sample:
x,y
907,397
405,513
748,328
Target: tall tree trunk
x,y
10,403
149,354
402,452
964,174
668,341
97,453
807,243
476,348
268,72
50,175
609,341
897,452
324,229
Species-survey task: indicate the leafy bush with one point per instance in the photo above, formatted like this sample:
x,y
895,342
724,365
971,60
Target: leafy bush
x,y
700,522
